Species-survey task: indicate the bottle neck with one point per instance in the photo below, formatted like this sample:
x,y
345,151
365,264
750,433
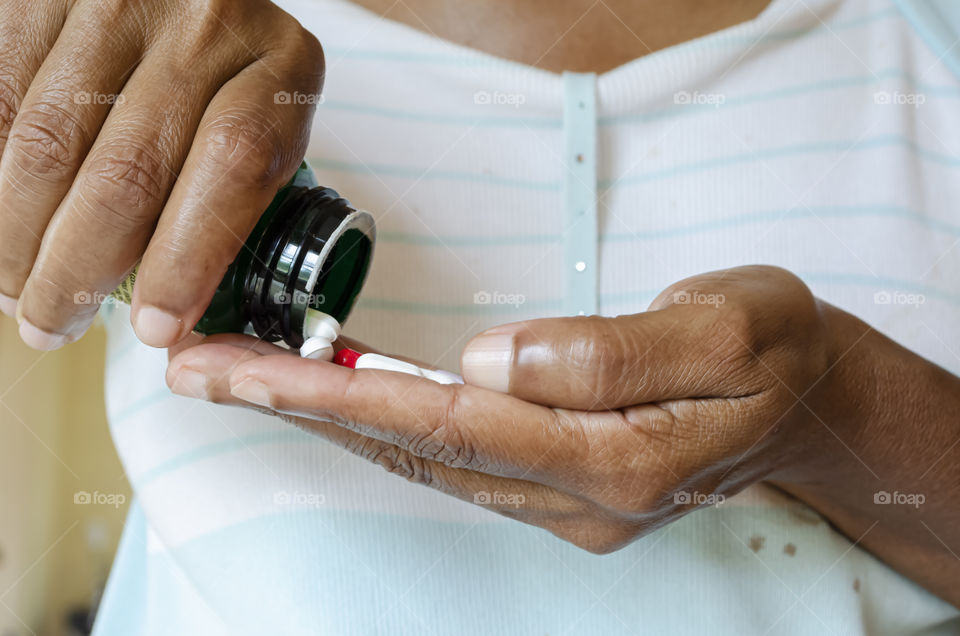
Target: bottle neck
x,y
313,251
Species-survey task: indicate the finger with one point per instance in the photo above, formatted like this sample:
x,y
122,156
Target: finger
x,y
239,341
55,127
203,371
262,347
197,371
103,225
246,148
594,363
28,31
463,427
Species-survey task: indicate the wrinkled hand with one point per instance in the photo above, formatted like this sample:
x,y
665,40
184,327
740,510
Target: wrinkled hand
x,y
597,429
140,129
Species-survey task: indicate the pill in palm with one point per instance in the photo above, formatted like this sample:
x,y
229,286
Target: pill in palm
x,y
319,331
317,349
317,324
377,361
441,376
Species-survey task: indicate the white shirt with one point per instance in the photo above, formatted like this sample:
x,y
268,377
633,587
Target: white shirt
x,y
820,137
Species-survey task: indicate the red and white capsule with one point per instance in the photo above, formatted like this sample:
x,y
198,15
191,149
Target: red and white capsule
x,y
356,360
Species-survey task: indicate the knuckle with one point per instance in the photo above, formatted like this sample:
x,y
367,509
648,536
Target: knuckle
x,y
213,21
397,461
446,443
47,138
244,143
597,355
10,96
113,10
740,337
301,44
128,182
217,16
441,442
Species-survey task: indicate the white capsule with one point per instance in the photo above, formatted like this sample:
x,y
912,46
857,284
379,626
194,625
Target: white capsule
x,y
318,348
317,324
441,376
383,363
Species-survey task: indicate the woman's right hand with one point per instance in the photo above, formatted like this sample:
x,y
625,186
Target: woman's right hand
x,y
137,130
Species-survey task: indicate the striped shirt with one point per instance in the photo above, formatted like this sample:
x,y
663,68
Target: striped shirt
x,y
821,137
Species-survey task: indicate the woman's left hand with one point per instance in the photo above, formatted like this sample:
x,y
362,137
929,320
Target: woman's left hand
x,y
597,429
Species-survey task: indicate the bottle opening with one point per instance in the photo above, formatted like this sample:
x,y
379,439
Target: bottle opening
x,y
342,274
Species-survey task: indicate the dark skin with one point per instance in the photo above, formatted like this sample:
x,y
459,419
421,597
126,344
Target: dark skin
x,y
598,422
607,417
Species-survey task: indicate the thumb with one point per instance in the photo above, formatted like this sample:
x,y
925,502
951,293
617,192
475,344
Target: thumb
x,y
594,363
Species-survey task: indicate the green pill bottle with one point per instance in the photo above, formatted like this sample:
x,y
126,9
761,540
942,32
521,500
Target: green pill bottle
x,y
311,250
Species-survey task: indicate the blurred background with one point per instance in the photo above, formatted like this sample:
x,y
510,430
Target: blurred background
x,y
63,493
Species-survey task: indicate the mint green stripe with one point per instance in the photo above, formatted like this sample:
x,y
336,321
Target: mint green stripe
x,y
356,108
385,170
946,92
852,145
793,214
930,90
122,351
880,283
460,58
406,238
938,23
642,298
140,404
230,446
793,34
769,216
453,309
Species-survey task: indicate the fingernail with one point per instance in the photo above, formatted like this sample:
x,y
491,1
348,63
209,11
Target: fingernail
x,y
156,328
487,361
252,391
8,305
190,383
36,338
